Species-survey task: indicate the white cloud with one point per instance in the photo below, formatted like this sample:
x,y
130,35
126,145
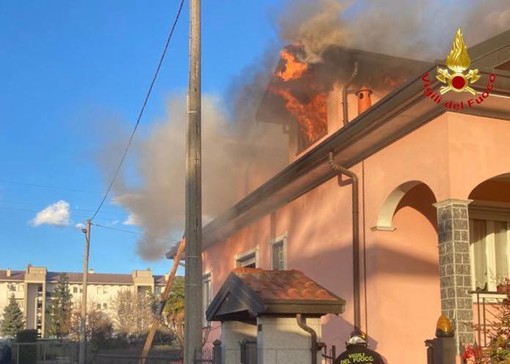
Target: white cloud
x,y
80,226
55,214
132,219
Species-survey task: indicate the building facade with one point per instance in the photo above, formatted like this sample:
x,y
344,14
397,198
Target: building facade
x,y
32,289
416,181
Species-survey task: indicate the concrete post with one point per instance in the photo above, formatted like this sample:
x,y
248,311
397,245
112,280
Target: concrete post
x,y
193,309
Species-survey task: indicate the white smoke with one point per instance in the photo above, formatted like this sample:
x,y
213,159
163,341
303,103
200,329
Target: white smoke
x,y
157,203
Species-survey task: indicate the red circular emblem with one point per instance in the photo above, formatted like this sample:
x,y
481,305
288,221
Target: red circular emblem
x,y
458,82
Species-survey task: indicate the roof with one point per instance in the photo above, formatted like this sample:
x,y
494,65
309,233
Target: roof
x,y
16,275
338,61
250,292
494,52
92,278
77,278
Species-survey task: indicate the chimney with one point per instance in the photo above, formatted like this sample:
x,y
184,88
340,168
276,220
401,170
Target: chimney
x,y
8,272
91,271
364,101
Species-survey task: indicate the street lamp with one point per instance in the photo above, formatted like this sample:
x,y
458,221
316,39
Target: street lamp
x,y
83,327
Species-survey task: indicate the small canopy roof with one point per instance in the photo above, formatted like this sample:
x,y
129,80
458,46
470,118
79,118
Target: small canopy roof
x,y
250,292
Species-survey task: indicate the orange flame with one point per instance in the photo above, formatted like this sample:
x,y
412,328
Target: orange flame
x,y
311,114
293,69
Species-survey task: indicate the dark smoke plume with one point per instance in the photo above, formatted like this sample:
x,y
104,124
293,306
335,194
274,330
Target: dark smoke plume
x,y
421,29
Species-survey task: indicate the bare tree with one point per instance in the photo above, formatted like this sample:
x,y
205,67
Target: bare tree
x,y
133,312
99,324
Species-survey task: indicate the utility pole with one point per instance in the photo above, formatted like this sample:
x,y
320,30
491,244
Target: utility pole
x,y
83,327
193,310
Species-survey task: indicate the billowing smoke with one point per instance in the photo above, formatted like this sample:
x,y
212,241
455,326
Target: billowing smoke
x,y
156,204
421,29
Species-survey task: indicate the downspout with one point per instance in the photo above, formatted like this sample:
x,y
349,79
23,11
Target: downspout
x,y
315,347
345,92
355,239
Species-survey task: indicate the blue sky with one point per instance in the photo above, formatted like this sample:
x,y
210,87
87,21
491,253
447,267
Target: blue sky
x,y
67,69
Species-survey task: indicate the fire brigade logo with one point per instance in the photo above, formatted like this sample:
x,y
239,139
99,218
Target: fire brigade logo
x,y
458,62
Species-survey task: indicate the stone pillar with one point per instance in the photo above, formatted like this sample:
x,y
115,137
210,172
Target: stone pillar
x,y
454,267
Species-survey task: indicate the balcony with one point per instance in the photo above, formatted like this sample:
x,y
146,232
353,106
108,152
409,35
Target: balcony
x,y
489,308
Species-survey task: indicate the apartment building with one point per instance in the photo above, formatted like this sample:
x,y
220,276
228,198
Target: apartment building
x,y
32,289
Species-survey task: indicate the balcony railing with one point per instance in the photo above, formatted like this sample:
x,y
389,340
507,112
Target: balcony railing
x,y
487,313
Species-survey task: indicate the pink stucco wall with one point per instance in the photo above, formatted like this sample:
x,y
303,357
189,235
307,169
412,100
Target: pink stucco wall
x,y
448,157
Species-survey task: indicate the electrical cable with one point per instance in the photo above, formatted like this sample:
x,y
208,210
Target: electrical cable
x,y
141,110
44,186
117,229
129,232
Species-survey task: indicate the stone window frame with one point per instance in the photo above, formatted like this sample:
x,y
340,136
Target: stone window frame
x,y
280,240
490,212
247,258
206,295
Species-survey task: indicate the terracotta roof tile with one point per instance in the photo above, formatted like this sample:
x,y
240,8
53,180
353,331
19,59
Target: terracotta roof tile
x,y
283,285
250,292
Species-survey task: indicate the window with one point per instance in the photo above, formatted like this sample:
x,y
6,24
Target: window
x,y
105,306
247,260
489,251
75,289
206,296
278,254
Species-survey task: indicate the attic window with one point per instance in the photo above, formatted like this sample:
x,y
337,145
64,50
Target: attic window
x,y
247,260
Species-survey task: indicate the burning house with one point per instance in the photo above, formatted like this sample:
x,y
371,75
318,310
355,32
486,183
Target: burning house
x,y
393,209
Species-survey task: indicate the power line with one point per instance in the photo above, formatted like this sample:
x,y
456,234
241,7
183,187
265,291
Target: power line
x,y
117,229
10,208
129,232
29,207
44,186
141,111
